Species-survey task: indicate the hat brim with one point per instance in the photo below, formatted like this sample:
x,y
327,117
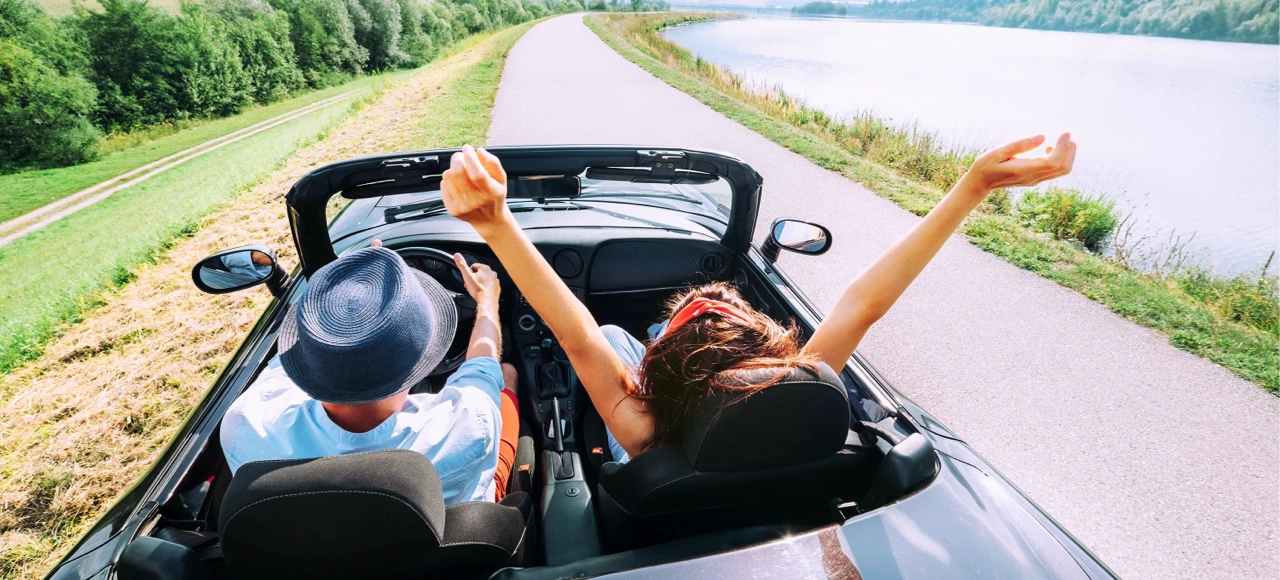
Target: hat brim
x,y
445,315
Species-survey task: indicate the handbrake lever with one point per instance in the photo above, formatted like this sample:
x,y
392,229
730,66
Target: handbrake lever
x,y
563,463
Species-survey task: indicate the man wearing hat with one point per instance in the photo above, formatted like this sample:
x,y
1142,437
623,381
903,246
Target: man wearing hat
x,y
367,329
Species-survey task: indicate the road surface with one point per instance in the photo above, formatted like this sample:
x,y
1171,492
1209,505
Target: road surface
x,y
1162,463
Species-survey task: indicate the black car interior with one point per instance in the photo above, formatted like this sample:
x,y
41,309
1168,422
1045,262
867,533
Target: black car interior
x,y
812,450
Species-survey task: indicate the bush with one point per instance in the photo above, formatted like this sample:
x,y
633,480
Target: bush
x,y
468,17
1247,299
413,40
377,24
323,39
213,80
1070,215
538,10
437,22
136,54
44,115
261,36
45,101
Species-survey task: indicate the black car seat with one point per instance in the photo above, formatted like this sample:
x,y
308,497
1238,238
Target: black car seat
x,y
364,515
778,456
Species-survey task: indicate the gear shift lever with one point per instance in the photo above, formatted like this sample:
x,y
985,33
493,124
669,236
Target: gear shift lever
x,y
553,375
546,349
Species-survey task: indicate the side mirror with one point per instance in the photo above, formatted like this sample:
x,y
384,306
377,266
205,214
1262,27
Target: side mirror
x,y
239,268
796,236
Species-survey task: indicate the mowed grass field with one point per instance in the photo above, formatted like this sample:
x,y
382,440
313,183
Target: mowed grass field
x,y
86,419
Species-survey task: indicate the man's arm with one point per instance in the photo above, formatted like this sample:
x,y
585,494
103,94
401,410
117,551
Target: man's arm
x,y
482,285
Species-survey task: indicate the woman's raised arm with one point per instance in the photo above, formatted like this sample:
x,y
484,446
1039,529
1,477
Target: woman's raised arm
x,y
474,189
870,295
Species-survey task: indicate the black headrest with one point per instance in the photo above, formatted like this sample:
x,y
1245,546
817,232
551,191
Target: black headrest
x,y
330,517
803,417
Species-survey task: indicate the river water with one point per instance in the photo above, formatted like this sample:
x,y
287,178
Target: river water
x,y
1184,133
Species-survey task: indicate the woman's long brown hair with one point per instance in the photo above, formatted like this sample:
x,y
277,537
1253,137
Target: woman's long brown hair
x,y
681,368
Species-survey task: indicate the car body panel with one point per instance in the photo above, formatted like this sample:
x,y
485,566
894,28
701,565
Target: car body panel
x,y
963,525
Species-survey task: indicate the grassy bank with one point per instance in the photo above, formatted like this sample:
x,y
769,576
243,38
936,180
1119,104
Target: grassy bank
x,y
28,190
1231,321
83,421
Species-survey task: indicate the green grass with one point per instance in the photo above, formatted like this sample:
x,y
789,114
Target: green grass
x,y
49,277
469,100
1231,321
29,190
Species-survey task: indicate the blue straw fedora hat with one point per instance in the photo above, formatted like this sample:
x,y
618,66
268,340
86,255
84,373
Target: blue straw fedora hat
x,y
367,327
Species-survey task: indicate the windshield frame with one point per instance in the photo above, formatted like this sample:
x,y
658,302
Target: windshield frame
x,y
382,175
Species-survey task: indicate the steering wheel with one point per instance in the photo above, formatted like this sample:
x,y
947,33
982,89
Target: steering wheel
x,y
440,265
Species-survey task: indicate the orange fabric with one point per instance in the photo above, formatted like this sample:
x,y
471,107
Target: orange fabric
x,y
507,442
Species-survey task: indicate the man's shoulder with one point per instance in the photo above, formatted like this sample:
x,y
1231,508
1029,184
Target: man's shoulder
x,y
481,374
270,399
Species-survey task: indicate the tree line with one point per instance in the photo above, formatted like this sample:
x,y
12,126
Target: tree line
x,y
1228,20
65,82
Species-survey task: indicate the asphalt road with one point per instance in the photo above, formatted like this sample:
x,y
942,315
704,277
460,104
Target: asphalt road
x,y
1162,463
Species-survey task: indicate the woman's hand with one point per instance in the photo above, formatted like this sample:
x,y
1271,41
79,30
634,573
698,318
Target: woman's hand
x,y
875,290
1001,167
474,189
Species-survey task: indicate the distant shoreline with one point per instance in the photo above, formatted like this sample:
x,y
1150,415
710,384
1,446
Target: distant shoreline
x,y
791,12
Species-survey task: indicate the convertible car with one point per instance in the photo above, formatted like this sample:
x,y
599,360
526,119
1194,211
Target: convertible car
x,y
824,475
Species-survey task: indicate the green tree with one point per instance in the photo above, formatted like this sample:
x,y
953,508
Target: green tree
x,y
43,113
136,54
265,49
414,40
378,29
214,82
323,39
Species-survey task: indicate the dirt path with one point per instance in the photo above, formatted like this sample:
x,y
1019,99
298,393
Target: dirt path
x,y
44,216
82,422
1165,464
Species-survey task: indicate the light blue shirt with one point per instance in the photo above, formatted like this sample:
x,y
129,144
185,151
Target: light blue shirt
x,y
631,351
457,429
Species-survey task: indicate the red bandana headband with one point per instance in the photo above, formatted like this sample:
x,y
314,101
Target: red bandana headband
x,y
702,306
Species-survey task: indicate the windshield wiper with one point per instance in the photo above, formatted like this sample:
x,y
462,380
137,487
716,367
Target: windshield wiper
x,y
435,207
413,211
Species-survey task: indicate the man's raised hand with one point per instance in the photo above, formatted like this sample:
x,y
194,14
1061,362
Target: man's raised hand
x,y
474,189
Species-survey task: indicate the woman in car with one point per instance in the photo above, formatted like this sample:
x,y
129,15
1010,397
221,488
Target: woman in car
x,y
646,395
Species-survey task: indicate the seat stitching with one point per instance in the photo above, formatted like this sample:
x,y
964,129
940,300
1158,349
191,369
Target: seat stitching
x,y
503,548
387,495
500,547
654,490
330,456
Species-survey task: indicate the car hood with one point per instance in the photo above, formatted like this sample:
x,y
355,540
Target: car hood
x,y
966,524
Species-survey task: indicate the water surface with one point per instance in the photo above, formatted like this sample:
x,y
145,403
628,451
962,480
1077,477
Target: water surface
x,y
1185,133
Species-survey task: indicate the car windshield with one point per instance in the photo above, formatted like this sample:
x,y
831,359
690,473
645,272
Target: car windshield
x,y
713,199
709,199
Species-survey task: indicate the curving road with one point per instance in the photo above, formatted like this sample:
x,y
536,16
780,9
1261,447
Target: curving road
x,y
1164,464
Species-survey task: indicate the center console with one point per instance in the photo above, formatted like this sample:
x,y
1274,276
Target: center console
x,y
550,387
